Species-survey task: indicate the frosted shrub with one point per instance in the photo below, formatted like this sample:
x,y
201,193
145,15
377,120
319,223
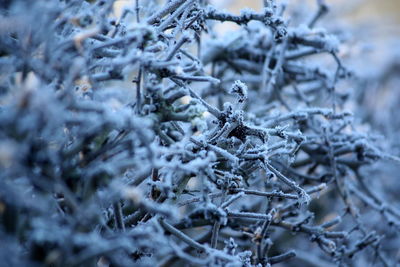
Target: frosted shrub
x,y
148,139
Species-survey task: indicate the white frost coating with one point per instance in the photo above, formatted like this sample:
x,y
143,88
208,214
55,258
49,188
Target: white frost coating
x,y
240,90
301,30
332,43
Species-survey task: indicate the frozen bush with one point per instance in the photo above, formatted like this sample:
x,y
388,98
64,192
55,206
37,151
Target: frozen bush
x,y
148,139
